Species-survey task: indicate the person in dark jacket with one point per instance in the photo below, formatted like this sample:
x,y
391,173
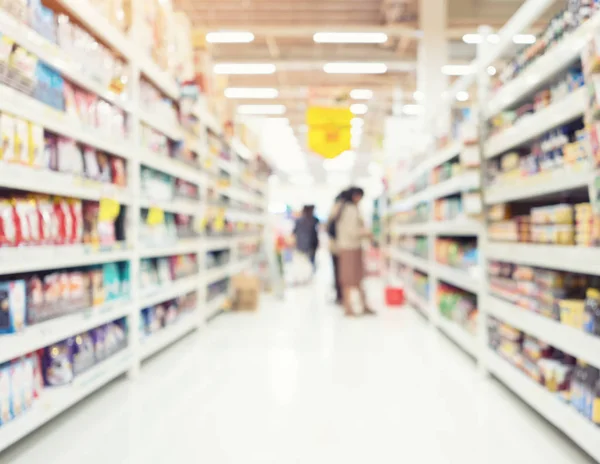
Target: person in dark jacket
x,y
307,234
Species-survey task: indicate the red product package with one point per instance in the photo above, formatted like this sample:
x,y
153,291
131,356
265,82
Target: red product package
x,y
76,210
23,231
8,228
33,219
64,220
119,176
48,222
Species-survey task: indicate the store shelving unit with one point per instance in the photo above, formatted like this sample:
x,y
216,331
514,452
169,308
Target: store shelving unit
x,y
552,187
462,226
54,401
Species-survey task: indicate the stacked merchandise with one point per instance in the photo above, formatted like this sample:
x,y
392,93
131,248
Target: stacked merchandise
x,y
565,147
559,224
564,23
418,215
162,315
159,187
157,273
447,209
38,220
420,283
170,230
557,91
25,379
218,258
573,381
569,298
416,245
458,306
38,297
28,145
446,171
460,253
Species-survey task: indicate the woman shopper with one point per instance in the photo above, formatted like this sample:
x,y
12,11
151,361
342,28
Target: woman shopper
x,y
332,233
350,231
307,234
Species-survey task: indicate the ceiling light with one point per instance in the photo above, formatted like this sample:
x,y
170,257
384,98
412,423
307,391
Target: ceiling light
x,y
244,68
477,39
350,37
355,68
359,108
251,92
526,39
356,131
229,37
412,110
361,94
357,122
472,38
267,110
418,95
462,96
491,70
457,69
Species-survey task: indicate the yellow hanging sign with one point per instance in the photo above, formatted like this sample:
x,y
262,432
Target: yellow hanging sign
x,y
329,130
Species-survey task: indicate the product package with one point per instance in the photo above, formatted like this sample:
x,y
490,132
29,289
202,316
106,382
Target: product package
x,y
12,306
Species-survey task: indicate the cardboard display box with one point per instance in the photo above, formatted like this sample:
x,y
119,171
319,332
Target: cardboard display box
x,y
246,291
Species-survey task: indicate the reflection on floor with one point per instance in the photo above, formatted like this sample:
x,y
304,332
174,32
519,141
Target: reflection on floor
x,y
296,383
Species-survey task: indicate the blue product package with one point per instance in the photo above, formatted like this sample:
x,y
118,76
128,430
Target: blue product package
x,y
84,356
112,283
124,278
5,396
12,306
58,364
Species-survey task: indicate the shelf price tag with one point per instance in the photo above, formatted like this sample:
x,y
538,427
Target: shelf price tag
x,y
156,216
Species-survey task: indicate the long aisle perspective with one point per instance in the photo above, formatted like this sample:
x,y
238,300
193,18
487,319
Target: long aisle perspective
x,y
298,383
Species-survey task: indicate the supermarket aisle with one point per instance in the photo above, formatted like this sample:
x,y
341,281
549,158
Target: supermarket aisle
x,y
297,383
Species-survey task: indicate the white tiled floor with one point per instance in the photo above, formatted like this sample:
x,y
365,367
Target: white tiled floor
x,y
296,383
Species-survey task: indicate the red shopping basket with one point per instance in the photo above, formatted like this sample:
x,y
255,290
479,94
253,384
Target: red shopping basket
x,y
394,296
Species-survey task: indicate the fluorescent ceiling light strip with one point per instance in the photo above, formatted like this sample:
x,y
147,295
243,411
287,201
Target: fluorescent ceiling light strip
x,y
359,108
229,37
357,122
355,68
361,94
251,92
350,37
266,110
244,68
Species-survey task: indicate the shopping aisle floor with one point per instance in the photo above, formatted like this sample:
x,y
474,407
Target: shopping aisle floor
x,y
298,383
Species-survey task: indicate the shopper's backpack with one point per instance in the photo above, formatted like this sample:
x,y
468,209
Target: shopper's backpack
x,y
332,226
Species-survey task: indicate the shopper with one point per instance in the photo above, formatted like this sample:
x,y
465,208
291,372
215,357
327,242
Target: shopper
x,y
350,231
332,233
307,234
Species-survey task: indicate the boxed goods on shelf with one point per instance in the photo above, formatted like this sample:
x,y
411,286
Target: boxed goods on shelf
x,y
458,306
160,316
573,381
25,379
560,224
158,273
567,297
458,253
38,297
